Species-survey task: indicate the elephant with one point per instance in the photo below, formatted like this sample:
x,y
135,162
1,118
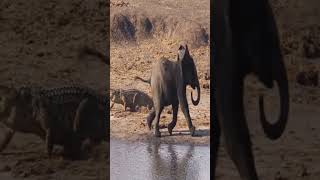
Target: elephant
x,y
168,82
245,41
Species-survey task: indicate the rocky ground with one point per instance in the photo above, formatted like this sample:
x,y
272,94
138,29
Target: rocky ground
x,y
39,46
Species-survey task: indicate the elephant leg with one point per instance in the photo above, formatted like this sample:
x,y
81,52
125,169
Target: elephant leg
x,y
239,147
72,146
8,134
216,144
88,120
157,127
86,145
173,123
83,114
186,113
150,118
49,142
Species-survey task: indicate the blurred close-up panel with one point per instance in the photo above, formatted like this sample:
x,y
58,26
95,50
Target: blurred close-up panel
x,y
54,74
266,56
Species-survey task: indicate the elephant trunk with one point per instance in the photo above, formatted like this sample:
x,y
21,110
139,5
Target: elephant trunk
x,y
275,130
196,102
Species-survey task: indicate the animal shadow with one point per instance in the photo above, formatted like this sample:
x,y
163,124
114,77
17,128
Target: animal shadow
x,y
197,133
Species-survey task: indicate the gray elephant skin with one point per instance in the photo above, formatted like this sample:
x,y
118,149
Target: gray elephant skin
x,y
168,82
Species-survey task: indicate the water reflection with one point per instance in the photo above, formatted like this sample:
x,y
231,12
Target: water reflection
x,y
165,161
154,160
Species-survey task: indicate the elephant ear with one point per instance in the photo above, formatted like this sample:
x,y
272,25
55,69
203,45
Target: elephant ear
x,y
183,51
259,41
271,56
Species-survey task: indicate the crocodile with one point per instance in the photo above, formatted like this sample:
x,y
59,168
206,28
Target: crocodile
x,y
66,116
132,98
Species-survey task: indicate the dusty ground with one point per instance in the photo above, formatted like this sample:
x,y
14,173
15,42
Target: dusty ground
x,y
39,44
135,48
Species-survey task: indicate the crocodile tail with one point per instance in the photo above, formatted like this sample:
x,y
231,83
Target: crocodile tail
x,y
93,52
143,80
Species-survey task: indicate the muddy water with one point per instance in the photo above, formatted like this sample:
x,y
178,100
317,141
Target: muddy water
x,y
157,161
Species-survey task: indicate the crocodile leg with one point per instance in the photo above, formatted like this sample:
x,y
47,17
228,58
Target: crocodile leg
x,y
135,103
123,98
112,105
112,100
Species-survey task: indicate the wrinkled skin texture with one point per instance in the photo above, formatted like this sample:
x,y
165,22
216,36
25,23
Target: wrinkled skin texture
x,y
168,86
245,41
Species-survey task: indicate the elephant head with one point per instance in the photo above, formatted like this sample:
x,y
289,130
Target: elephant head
x,y
189,71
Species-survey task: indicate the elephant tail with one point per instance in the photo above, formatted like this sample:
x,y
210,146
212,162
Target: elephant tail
x,y
143,80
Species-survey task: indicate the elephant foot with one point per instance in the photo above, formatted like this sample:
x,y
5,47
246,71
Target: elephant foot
x,y
86,145
192,131
170,128
157,133
149,123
